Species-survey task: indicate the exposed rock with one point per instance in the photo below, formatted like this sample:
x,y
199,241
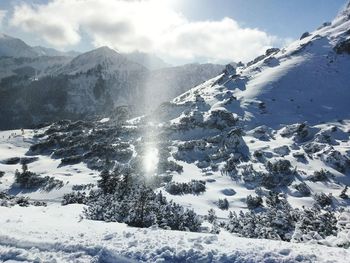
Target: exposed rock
x,y
304,35
343,47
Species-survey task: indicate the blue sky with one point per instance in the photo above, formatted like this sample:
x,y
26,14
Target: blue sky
x,y
177,30
285,18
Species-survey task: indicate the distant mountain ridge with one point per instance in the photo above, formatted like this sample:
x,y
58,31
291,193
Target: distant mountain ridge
x,y
90,84
150,61
15,47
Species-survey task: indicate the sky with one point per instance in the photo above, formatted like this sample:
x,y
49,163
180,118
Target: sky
x,y
179,31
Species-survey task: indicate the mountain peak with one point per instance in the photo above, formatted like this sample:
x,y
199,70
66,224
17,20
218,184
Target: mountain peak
x,y
105,50
99,55
104,56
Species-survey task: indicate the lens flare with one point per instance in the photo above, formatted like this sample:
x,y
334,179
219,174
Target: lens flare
x,y
150,160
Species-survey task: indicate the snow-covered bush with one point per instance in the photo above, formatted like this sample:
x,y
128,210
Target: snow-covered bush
x,y
314,224
157,181
71,160
321,176
44,147
117,180
254,202
323,200
234,143
271,223
223,204
279,167
344,194
313,147
325,137
125,196
342,238
194,187
299,132
211,217
220,119
258,154
30,180
336,160
262,133
230,166
303,189
171,166
281,222
194,150
191,120
273,180
8,200
279,174
74,198
81,187
249,175
141,207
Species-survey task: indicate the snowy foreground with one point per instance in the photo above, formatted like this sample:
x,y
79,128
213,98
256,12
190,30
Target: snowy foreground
x,y
58,234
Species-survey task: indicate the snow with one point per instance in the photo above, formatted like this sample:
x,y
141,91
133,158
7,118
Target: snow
x,y
17,146
57,233
104,120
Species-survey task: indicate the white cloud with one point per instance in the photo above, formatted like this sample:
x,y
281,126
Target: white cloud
x,y
144,25
2,16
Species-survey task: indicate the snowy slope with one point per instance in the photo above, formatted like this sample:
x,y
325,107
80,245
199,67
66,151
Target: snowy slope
x,y
307,81
46,234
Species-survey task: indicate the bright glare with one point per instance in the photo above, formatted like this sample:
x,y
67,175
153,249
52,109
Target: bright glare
x,y
150,160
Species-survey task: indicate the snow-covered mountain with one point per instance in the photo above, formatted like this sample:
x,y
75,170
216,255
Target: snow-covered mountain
x,y
93,83
306,81
31,67
105,57
51,52
15,47
150,61
290,104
